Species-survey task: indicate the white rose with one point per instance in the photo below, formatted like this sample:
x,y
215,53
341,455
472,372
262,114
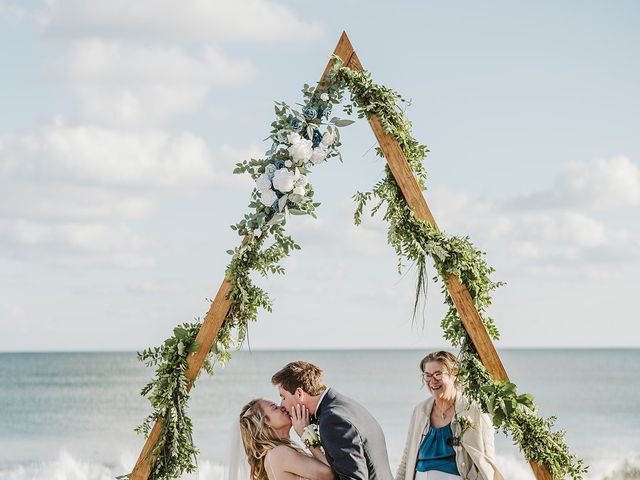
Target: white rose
x,y
263,182
328,138
267,197
318,155
288,163
301,150
299,190
284,180
324,97
293,138
257,232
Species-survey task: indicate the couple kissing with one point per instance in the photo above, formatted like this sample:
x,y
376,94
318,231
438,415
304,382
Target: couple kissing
x,y
351,443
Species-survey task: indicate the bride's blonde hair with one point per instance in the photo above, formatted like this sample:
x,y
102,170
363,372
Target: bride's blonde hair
x,y
258,438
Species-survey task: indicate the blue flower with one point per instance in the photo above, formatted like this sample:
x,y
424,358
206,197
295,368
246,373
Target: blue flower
x,y
269,170
309,112
279,164
296,124
317,138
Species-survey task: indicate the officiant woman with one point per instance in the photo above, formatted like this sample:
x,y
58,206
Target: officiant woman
x,y
449,436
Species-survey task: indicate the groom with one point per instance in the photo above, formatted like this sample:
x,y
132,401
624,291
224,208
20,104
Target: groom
x,y
352,439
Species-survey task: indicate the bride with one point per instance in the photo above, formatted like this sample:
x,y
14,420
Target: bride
x,y
264,428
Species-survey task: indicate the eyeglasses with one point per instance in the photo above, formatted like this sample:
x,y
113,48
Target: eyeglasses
x,y
437,376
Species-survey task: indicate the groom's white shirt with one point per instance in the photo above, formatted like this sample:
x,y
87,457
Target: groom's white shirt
x,y
320,400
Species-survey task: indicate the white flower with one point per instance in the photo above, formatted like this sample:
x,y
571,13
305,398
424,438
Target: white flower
x,y
318,155
257,232
263,182
310,436
288,163
301,150
465,423
328,138
301,181
299,190
283,180
293,137
281,136
267,197
324,97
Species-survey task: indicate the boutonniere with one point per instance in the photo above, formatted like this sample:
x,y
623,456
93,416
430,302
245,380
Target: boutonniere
x,y
465,423
311,436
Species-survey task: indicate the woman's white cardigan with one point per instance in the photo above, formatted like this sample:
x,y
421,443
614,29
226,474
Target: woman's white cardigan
x,y
474,456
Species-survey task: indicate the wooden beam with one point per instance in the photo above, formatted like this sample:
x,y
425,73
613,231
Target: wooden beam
x,y
412,193
206,336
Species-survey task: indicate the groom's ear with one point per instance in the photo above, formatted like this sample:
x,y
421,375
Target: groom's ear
x,y
299,394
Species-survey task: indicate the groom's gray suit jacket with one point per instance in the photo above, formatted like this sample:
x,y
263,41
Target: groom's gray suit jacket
x,y
352,439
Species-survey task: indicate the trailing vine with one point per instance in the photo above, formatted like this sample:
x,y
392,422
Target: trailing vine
x,y
301,139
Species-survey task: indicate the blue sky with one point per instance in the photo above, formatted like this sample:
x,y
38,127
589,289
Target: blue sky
x,y
120,125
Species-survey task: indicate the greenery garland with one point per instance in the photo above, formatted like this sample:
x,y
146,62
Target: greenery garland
x,y
298,145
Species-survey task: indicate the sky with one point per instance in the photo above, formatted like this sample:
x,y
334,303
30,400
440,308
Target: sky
x,y
120,124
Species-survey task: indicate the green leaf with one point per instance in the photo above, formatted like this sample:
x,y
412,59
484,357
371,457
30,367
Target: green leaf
x,y
180,332
342,123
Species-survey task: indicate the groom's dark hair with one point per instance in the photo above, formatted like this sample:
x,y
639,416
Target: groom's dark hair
x,y
300,374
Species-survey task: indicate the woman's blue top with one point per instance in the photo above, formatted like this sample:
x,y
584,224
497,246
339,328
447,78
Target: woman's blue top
x,y
435,453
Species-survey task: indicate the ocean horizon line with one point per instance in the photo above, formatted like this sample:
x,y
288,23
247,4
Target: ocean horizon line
x,y
338,349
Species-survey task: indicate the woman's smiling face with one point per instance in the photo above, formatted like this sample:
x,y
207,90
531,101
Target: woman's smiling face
x,y
438,380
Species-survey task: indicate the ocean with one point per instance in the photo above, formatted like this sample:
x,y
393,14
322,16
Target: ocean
x,y
70,416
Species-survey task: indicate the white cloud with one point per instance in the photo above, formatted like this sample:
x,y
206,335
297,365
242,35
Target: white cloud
x,y
68,190
600,184
120,84
459,213
569,228
565,242
198,20
100,243
9,9
102,156
54,201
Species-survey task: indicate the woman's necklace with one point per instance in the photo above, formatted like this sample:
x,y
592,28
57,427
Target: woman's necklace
x,y
443,413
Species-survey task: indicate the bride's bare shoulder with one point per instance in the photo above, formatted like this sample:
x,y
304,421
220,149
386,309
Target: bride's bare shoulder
x,y
281,454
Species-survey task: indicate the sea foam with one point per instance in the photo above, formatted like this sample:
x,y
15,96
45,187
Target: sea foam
x,y
67,467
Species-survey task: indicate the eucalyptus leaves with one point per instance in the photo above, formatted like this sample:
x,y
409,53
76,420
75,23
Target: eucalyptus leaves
x,y
303,138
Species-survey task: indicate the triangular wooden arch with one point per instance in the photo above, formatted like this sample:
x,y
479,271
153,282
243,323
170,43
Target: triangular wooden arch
x,y
415,199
